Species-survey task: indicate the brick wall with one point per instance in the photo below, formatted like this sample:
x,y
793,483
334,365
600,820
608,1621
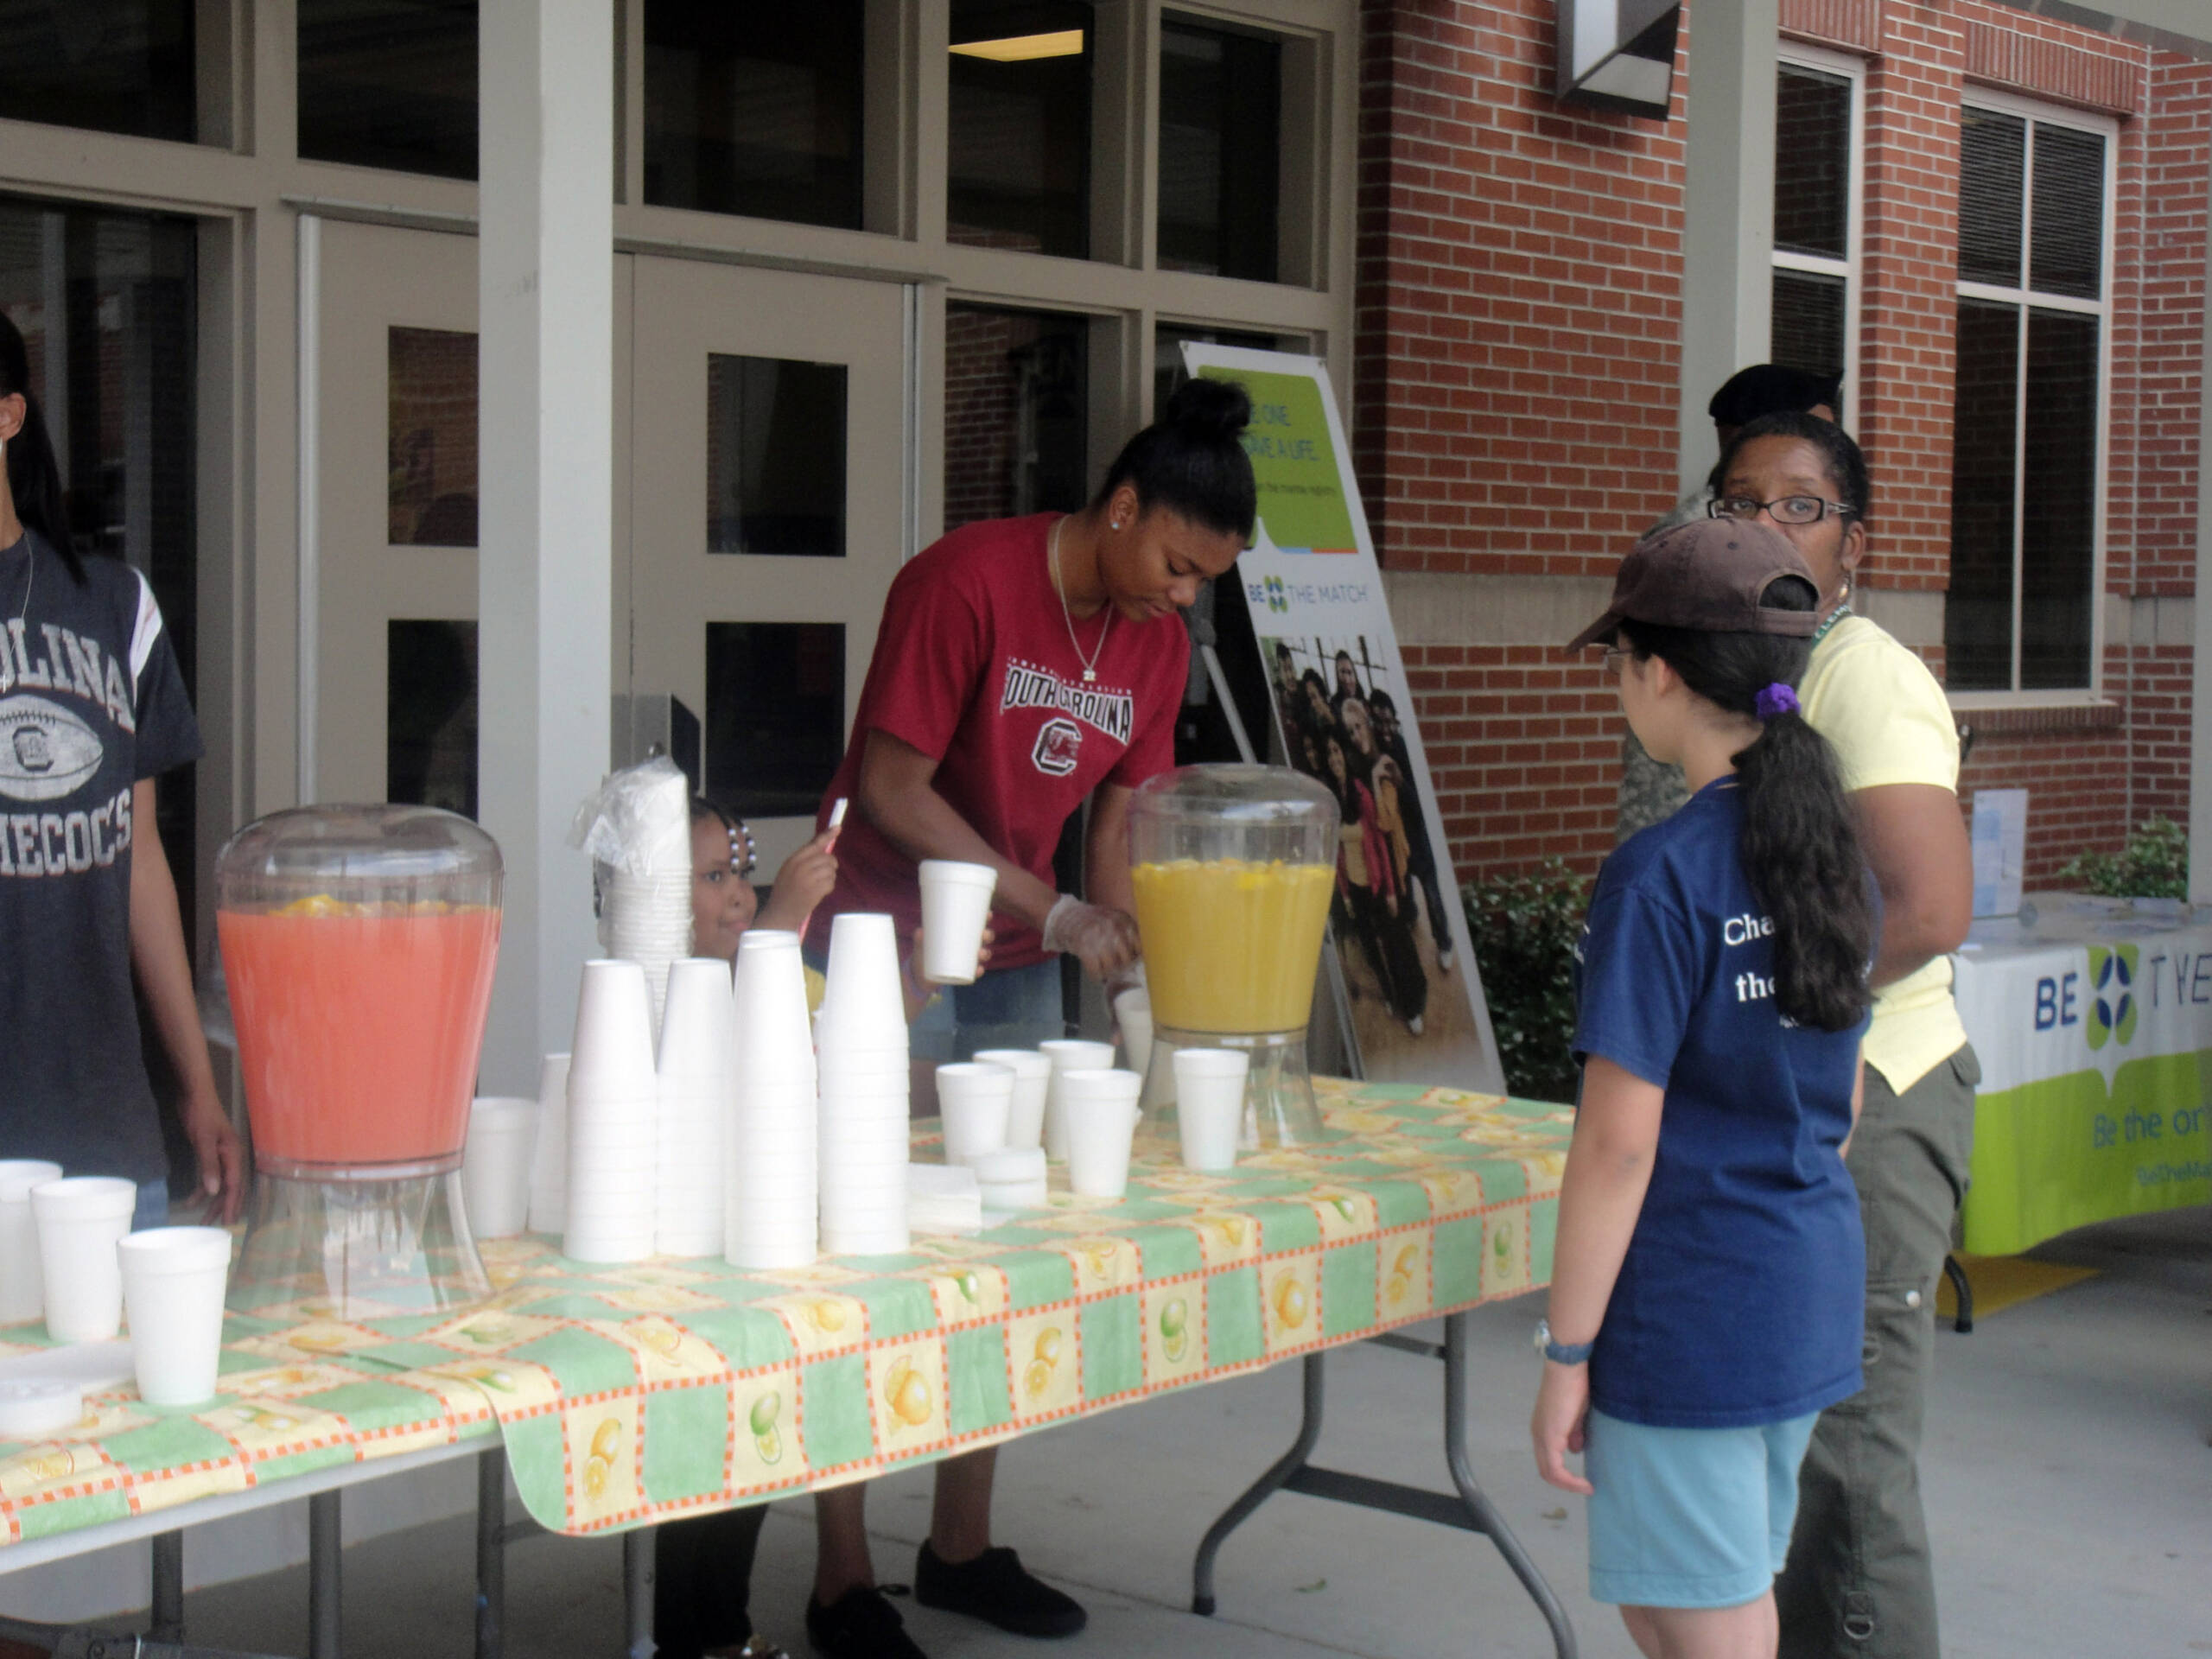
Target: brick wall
x,y
1910,254
1518,321
1518,309
1523,748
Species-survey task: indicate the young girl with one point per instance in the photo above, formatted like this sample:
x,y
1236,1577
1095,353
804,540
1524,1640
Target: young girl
x,y
1707,1284
723,901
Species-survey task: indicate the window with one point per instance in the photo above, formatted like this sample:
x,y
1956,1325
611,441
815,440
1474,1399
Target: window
x,y
775,456
755,109
775,715
429,718
389,83
2027,422
125,67
1220,139
430,402
1817,220
1016,413
1018,115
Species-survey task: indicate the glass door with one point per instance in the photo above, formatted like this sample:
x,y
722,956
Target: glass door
x,y
391,562
769,489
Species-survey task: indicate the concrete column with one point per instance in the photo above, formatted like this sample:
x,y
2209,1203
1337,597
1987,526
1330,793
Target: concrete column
x,y
1727,211
546,437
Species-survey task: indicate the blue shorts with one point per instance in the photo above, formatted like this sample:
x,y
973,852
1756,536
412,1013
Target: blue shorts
x,y
1690,1517
1014,1007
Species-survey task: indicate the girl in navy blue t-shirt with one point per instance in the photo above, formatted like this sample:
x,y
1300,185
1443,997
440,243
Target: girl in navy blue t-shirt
x,y
1707,1285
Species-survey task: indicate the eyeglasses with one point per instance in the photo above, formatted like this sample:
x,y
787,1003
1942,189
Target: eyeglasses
x,y
1614,655
1789,509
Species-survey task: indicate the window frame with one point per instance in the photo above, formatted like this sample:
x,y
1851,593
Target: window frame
x,y
1841,67
2024,300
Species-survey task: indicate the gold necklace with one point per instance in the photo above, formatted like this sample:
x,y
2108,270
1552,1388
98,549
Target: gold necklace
x,y
1059,586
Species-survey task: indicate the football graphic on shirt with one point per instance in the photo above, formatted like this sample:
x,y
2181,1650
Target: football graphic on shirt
x,y
46,752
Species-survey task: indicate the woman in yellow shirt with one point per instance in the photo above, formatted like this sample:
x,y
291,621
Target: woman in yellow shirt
x,y
1860,1580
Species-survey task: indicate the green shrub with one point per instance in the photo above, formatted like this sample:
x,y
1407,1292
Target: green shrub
x,y
2153,865
1525,925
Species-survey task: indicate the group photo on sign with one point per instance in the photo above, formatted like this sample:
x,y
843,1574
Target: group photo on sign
x,y
1341,726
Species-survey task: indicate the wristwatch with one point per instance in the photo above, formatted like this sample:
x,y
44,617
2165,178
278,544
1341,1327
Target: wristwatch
x,y
1561,1353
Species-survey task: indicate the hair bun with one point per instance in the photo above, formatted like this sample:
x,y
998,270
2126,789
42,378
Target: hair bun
x,y
1205,408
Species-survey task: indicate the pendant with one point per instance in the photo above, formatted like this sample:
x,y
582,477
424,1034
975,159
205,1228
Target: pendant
x,y
1091,676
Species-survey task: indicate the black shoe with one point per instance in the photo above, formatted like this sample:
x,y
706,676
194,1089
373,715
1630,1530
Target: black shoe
x,y
995,1588
860,1624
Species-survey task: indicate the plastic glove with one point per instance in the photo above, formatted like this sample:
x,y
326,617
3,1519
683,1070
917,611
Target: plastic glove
x,y
1104,941
1131,978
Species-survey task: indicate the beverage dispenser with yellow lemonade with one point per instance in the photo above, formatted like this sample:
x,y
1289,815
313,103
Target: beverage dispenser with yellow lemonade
x,y
1233,867
359,944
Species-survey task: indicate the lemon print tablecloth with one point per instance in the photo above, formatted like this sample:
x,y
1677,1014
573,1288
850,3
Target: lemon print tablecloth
x,y
635,1395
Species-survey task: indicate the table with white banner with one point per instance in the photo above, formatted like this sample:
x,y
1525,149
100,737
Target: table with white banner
x,y
2092,1021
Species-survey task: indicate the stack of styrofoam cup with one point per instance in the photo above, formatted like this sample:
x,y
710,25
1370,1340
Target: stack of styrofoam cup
x,y
1210,1104
614,1103
943,1198
864,1133
80,1219
22,1291
1012,1178
548,1164
695,1081
956,908
769,1146
495,1165
172,1283
649,922
1033,1076
1067,1054
1102,1118
1132,1012
975,1099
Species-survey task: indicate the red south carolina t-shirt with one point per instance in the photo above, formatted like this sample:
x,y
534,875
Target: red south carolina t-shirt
x,y
974,667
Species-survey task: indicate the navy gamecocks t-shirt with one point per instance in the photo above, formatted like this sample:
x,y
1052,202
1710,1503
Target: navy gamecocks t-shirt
x,y
1742,1297
91,702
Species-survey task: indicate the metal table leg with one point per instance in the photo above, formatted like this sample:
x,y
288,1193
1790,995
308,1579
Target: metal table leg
x,y
638,1593
1470,1511
490,1552
165,1618
1287,1466
1488,1521
326,1571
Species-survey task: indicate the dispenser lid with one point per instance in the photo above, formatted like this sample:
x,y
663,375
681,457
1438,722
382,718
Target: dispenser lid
x,y
1234,793
312,847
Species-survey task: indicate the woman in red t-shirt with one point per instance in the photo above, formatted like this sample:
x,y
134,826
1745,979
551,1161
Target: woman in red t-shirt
x,y
1023,666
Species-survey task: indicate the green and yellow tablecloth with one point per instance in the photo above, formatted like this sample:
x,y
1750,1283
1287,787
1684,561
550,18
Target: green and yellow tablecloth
x,y
635,1395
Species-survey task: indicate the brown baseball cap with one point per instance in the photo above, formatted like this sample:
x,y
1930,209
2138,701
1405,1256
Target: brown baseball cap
x,y
1709,574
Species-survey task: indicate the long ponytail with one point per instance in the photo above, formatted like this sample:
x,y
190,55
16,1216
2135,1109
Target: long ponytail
x,y
1800,847
34,475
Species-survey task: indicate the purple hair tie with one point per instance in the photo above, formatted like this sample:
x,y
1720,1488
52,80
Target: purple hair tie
x,y
1777,699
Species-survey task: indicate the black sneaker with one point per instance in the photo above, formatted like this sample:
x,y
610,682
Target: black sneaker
x,y
859,1625
995,1588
